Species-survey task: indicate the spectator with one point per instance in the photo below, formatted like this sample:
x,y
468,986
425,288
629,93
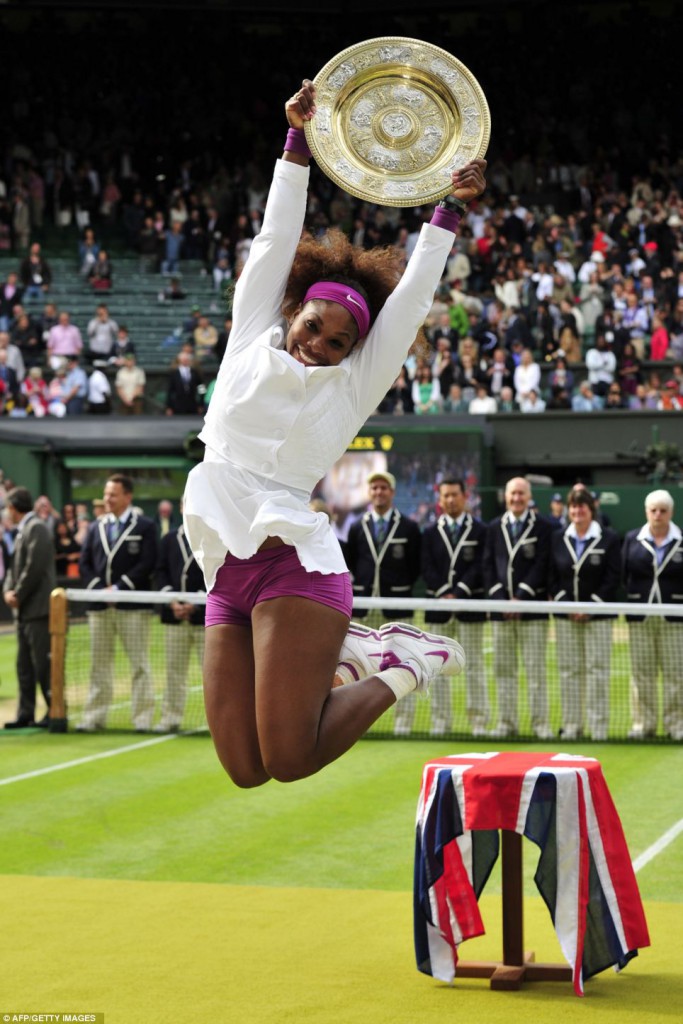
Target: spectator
x,y
173,248
11,293
671,399
641,399
527,376
615,398
426,392
559,399
659,340
26,336
99,393
102,273
165,518
88,251
35,273
399,398
34,389
67,552
585,400
174,292
76,387
15,360
27,587
182,398
9,385
130,387
532,403
601,364
635,321
483,404
629,370
456,402
63,340
506,400
57,391
223,338
205,337
122,347
561,376
102,335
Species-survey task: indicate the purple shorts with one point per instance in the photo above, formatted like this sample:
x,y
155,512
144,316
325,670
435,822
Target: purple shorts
x,y
242,583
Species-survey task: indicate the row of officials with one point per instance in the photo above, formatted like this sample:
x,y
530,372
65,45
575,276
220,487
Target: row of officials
x,y
523,555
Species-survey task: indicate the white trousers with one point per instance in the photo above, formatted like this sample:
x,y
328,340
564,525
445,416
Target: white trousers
x,y
179,641
132,629
512,639
584,651
656,646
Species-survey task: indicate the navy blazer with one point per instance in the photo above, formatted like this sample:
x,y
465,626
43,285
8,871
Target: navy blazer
x,y
594,576
390,570
647,582
177,569
128,563
518,570
454,567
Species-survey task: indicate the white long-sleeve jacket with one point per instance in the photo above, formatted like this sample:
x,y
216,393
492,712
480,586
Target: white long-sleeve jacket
x,y
274,426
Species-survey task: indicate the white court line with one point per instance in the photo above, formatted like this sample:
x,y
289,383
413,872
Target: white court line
x,y
656,848
88,760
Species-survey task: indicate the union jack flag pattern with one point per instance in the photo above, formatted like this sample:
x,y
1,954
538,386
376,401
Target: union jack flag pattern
x,y
585,876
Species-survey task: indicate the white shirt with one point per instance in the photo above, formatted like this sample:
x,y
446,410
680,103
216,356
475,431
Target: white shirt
x,y
526,378
274,426
98,387
601,365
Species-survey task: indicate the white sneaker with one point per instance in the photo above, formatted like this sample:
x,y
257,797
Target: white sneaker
x,y
360,655
424,654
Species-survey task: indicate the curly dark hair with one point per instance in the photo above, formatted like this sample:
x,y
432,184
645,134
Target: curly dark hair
x,y
372,272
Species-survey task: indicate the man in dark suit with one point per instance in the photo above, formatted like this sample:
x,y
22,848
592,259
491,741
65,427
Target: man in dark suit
x,y
178,571
119,553
452,567
383,547
516,570
27,588
183,381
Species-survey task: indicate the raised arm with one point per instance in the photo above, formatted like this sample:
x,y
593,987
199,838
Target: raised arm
x,y
383,353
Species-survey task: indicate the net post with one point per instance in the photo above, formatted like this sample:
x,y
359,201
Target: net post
x,y
59,624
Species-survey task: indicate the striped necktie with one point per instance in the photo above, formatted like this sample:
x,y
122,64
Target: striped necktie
x,y
380,531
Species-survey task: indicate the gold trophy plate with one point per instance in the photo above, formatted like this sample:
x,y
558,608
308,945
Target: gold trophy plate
x,y
394,117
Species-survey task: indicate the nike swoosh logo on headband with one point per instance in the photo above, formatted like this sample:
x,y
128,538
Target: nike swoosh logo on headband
x,y
354,301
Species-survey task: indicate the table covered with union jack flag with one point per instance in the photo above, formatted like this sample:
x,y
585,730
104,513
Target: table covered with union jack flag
x,y
559,801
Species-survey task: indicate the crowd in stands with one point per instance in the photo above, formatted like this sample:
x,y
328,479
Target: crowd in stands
x,y
563,291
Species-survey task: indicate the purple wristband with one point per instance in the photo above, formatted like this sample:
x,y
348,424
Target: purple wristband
x,y
296,142
448,219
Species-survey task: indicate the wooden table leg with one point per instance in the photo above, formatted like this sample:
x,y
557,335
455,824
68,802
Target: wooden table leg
x,y
517,965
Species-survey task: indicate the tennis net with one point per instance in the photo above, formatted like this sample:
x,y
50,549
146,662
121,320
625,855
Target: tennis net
x,y
549,675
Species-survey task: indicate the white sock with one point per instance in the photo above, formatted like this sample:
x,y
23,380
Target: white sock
x,y
401,679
